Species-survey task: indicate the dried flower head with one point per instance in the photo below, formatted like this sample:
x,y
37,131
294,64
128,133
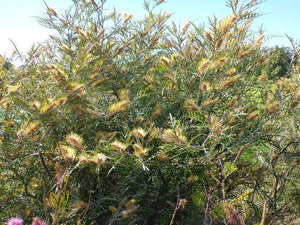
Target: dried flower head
x,y
75,88
99,158
185,28
27,129
226,24
130,204
75,140
208,103
139,132
48,107
219,43
205,86
229,82
35,105
85,158
192,179
261,77
272,107
68,153
99,82
127,17
182,203
169,136
154,133
231,71
119,146
157,110
245,53
117,107
259,40
166,61
139,151
112,209
208,36
233,101
13,88
124,94
253,115
203,64
162,157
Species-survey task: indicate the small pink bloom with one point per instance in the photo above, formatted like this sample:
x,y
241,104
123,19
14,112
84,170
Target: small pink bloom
x,y
38,221
15,221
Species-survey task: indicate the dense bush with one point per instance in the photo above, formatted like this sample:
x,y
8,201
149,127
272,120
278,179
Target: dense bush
x,y
279,62
116,120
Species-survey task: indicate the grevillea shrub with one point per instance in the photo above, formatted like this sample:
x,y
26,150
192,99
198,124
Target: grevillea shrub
x,y
120,120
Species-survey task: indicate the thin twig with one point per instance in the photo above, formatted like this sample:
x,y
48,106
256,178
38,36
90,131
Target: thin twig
x,y
43,163
87,208
175,210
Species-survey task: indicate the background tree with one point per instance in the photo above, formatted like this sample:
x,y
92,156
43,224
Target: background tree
x,y
279,63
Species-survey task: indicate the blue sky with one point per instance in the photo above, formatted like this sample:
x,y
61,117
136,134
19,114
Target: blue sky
x,y
18,22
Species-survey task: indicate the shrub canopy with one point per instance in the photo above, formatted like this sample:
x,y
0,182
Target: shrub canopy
x,y
117,120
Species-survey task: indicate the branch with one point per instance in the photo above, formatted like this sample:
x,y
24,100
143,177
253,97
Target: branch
x,y
43,163
175,210
283,151
285,148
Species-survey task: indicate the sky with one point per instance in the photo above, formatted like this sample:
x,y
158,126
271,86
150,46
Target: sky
x,y
18,18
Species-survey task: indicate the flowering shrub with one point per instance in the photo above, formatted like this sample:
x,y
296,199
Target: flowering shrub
x,y
117,120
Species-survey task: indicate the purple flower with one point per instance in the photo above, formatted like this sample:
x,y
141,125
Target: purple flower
x,y
38,221
15,221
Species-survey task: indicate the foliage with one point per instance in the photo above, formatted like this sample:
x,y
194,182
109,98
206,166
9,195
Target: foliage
x,y
123,121
279,63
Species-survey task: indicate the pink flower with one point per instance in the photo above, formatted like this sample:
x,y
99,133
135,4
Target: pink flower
x,y
15,221
38,221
